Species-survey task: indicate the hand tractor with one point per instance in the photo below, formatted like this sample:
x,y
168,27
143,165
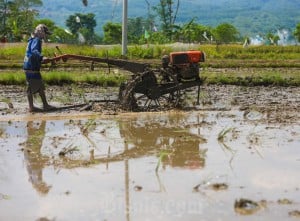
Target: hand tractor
x,y
153,88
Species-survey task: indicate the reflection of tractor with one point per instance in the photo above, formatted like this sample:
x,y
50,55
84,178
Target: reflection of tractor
x,y
153,87
182,148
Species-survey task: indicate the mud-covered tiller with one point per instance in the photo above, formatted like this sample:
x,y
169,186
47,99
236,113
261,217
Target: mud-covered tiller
x,y
152,88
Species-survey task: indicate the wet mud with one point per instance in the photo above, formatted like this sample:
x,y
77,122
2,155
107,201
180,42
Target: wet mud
x,y
233,156
277,103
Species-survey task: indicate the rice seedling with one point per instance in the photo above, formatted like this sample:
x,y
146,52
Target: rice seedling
x,y
223,133
58,78
162,155
12,78
230,57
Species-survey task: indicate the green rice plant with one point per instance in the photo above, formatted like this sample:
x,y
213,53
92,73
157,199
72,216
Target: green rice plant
x,y
58,78
265,79
10,78
66,77
294,81
135,51
66,99
12,51
253,78
160,50
90,79
247,78
279,54
162,155
5,100
81,93
140,52
221,140
89,126
114,52
251,52
103,79
222,133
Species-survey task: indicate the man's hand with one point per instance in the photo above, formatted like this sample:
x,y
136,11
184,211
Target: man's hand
x,y
46,60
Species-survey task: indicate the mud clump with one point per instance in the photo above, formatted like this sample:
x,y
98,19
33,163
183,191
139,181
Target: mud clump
x,y
212,186
295,213
219,186
284,201
247,207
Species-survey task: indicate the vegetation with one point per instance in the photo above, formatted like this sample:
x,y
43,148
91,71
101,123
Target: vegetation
x,y
297,32
83,25
112,33
253,77
167,12
247,77
231,53
225,33
17,18
225,64
159,24
65,77
249,17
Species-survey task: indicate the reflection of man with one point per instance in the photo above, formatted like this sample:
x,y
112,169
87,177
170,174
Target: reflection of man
x,y
33,157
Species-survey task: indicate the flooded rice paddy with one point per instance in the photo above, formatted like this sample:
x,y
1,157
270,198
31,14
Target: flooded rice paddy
x,y
221,163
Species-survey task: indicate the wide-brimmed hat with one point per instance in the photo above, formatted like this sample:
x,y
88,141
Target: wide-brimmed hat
x,y
41,30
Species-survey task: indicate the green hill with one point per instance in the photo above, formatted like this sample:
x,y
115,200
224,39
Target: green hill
x,y
249,17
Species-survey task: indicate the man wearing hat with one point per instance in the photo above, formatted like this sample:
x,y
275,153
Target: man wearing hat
x,y
32,65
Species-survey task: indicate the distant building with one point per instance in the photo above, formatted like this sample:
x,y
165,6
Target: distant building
x,y
257,40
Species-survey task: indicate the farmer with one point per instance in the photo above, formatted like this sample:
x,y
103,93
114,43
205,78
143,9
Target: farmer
x,y
32,64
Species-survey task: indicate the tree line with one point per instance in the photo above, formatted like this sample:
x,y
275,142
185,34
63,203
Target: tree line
x,y
19,17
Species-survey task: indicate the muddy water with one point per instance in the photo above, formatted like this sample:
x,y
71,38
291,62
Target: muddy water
x,y
161,166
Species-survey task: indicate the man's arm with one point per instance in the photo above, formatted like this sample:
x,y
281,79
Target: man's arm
x,y
36,48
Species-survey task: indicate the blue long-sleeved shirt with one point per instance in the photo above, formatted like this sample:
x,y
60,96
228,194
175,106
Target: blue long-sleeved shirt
x,y
33,56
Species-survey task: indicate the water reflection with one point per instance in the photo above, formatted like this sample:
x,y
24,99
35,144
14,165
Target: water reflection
x,y
181,147
110,172
122,141
34,160
107,142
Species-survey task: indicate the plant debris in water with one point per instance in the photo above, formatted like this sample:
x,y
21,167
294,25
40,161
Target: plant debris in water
x,y
284,201
4,197
246,206
219,186
66,151
295,213
138,188
213,186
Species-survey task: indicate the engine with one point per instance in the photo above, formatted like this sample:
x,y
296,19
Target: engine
x,y
185,64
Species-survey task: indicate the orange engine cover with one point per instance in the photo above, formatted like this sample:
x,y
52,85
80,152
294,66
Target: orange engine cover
x,y
186,57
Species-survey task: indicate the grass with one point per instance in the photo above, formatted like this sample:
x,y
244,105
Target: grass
x,y
246,77
12,78
15,51
254,65
65,77
222,134
253,77
162,155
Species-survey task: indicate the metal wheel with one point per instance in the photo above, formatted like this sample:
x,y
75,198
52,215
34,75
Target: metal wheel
x,y
170,90
151,91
